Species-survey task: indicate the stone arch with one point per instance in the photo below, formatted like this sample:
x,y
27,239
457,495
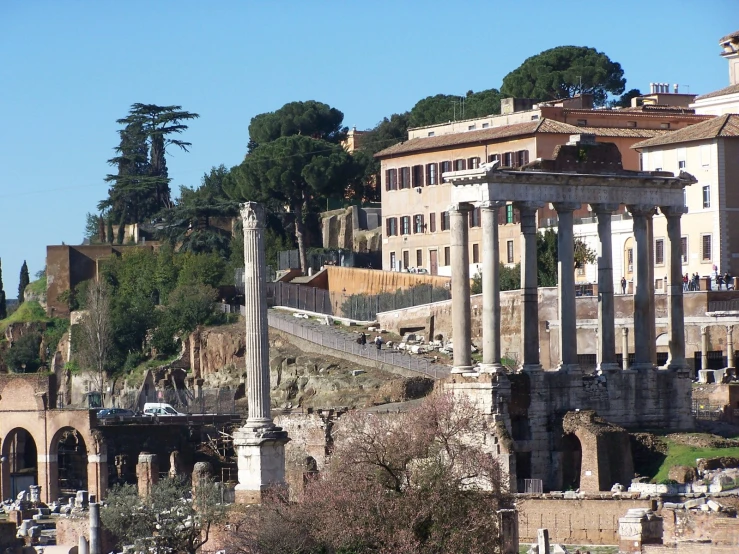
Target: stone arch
x,y
571,461
310,469
69,450
20,469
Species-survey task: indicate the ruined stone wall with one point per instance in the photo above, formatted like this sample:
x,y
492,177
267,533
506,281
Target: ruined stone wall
x,y
69,530
7,535
722,529
588,521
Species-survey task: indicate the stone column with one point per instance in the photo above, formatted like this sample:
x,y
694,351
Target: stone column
x,y
260,444
675,310
97,474
95,535
625,348
644,293
490,289
729,346
704,347
606,311
652,318
147,473
566,287
529,287
542,540
82,547
461,312
638,527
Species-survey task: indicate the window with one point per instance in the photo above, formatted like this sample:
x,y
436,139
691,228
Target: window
x,y
494,158
392,261
659,252
391,179
682,155
404,175
706,250
445,221
631,123
475,253
523,157
391,226
681,164
684,249
485,125
630,260
534,117
705,155
473,163
508,159
447,256
419,258
509,213
580,269
405,225
509,251
582,122
471,127
460,165
431,134
431,174
474,220
685,197
707,196
444,167
432,222
418,223
406,259
417,175
664,125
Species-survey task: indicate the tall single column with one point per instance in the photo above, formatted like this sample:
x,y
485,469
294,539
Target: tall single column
x,y
606,311
490,289
255,316
95,535
675,309
260,444
461,312
652,317
625,348
729,346
529,286
566,286
642,301
704,347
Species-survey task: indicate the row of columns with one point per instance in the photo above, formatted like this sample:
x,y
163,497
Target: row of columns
x,y
644,309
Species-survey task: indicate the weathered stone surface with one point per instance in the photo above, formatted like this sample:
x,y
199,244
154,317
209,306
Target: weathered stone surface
x,y
682,474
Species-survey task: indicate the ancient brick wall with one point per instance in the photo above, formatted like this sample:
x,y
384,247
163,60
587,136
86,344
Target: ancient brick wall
x,y
588,521
69,530
692,525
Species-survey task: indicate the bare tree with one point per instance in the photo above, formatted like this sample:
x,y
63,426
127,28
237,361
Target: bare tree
x,y
95,335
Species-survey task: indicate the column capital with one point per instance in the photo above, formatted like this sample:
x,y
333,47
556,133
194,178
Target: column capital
x,y
729,329
528,207
492,204
252,215
566,206
641,210
604,208
460,207
673,211
704,329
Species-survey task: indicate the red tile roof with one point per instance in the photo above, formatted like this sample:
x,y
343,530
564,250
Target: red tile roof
x,y
724,126
731,89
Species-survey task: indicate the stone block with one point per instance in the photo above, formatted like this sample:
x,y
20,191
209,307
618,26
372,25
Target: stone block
x,y
695,503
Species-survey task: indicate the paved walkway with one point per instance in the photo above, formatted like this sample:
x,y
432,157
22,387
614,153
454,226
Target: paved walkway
x,y
338,339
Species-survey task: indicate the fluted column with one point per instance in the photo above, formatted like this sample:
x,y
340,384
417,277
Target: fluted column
x,y
255,316
606,311
730,346
625,348
675,309
566,286
490,289
643,301
461,312
529,287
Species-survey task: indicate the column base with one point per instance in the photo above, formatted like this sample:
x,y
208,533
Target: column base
x,y
493,368
569,368
458,369
531,368
261,462
608,367
643,366
676,365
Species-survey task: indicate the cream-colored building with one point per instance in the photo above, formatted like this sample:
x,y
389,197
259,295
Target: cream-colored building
x,y
725,100
415,199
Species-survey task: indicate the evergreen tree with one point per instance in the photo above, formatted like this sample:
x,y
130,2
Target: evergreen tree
x,y
3,304
23,282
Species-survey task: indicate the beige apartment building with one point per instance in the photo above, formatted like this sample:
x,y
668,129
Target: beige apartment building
x,y
725,100
415,199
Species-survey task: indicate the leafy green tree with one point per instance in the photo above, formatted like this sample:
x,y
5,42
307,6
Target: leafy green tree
x,y
446,107
200,269
24,280
92,226
309,119
564,72
547,257
188,306
624,101
24,354
166,271
294,172
169,520
509,278
3,303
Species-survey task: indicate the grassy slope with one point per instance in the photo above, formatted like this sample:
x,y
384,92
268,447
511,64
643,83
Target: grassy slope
x,y
683,455
26,312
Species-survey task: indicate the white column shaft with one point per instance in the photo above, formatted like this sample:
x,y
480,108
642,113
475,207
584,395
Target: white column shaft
x,y
461,324
490,289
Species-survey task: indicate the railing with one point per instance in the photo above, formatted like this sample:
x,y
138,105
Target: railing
x,y
342,343
300,297
530,486
186,401
706,411
724,305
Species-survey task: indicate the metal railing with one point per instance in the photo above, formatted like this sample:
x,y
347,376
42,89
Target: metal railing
x,y
342,343
186,401
300,297
724,305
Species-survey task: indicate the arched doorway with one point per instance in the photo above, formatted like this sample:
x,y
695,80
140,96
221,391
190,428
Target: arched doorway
x,y
571,462
71,452
19,449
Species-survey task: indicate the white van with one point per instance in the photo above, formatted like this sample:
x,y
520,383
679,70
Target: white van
x,y
160,409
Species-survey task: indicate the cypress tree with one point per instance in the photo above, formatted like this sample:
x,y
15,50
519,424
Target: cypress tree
x,y
23,282
3,304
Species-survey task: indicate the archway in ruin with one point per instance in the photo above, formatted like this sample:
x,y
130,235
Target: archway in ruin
x,y
71,451
21,468
571,462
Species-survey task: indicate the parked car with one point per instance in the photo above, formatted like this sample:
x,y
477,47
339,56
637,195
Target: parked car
x,y
160,409
115,412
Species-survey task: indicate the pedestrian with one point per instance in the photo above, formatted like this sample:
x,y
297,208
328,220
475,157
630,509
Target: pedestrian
x,y
719,281
686,282
623,285
378,342
363,339
729,281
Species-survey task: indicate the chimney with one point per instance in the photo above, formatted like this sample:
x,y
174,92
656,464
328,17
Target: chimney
x,y
675,88
652,88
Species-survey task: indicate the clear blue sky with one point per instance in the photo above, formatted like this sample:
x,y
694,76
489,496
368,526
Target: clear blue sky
x,y
70,68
